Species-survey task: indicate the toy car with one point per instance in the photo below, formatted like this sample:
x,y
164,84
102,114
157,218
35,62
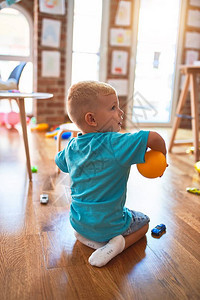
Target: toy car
x,y
158,229
44,198
193,190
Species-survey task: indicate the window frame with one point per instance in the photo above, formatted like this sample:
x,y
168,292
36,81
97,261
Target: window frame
x,y
103,42
30,22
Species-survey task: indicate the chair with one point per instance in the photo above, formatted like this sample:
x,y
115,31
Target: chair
x,y
68,127
15,74
191,73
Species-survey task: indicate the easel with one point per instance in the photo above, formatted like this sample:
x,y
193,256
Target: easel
x,y
190,80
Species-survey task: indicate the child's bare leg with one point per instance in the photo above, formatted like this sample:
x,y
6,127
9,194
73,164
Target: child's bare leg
x,y
103,255
135,236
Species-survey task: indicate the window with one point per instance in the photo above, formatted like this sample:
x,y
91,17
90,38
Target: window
x,y
86,40
15,46
156,61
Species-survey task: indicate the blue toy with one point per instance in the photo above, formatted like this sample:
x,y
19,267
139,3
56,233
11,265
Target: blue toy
x,y
158,230
65,135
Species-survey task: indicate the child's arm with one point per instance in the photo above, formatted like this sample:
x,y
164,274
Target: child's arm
x,y
156,142
61,161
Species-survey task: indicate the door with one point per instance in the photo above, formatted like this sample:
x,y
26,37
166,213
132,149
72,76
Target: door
x,y
156,57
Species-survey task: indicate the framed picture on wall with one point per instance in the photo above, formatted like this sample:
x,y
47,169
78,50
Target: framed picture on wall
x,y
50,63
119,62
51,33
52,7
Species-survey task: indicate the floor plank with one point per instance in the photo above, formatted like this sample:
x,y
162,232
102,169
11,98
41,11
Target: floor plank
x,y
40,257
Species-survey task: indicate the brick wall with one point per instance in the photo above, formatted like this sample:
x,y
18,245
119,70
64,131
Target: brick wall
x,y
51,111
112,24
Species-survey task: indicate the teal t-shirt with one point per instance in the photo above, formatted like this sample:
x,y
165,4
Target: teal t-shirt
x,y
99,166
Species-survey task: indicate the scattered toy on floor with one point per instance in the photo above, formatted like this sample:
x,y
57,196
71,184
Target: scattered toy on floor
x,y
55,130
65,135
34,169
158,230
2,118
12,118
193,190
33,120
40,127
44,198
197,166
52,133
154,166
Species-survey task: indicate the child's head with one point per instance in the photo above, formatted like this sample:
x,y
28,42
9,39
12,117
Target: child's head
x,y
94,107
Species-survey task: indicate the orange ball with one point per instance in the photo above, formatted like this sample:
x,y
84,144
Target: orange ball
x,y
154,166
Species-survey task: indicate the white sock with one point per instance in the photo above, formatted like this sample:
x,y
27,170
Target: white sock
x,y
103,255
89,243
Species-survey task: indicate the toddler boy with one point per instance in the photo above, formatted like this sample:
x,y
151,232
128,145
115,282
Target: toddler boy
x,y
98,162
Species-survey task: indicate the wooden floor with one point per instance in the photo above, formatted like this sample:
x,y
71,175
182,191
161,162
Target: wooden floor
x,y
40,258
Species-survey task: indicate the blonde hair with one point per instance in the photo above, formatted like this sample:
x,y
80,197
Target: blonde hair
x,y
82,97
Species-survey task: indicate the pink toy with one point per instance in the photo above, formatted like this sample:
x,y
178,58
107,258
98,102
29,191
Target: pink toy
x,y
2,118
12,118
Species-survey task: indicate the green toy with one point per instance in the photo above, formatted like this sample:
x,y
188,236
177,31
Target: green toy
x,y
34,169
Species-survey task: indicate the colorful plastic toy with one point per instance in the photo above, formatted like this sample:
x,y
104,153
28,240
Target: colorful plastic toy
x,y
2,118
158,230
65,135
190,150
34,169
193,190
12,118
52,133
154,166
44,198
197,166
40,127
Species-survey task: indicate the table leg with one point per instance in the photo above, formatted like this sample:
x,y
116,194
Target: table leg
x,y
180,106
195,114
25,136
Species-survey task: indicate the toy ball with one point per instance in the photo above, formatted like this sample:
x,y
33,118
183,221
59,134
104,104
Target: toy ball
x,y
12,118
154,166
2,118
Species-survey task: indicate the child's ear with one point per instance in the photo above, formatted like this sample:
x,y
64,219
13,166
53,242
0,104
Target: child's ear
x,y
90,119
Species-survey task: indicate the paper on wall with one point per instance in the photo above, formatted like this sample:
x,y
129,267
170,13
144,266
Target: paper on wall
x,y
119,62
51,33
192,40
195,3
121,86
50,63
120,37
194,18
191,57
123,15
55,7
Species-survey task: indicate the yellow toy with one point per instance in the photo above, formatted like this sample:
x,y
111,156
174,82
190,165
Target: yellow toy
x,y
51,133
197,166
190,150
154,166
40,127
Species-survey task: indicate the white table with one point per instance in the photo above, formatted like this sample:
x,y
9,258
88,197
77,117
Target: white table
x,y
19,97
